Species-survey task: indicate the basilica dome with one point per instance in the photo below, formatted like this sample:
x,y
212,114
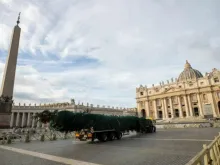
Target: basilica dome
x,y
189,73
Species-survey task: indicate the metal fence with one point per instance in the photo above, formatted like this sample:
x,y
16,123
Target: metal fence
x,y
34,135
210,155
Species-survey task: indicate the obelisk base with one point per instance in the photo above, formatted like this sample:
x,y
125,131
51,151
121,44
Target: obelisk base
x,y
5,119
5,112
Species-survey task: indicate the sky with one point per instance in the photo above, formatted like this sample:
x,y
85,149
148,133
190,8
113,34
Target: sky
x,y
99,51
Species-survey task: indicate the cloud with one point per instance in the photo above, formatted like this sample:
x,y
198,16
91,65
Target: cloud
x,y
100,51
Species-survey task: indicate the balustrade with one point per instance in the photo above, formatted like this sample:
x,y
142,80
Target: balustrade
x,y
210,155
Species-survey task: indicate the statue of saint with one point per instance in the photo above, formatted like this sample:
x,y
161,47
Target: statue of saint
x,y
72,101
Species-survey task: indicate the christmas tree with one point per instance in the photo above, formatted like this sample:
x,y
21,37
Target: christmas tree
x,y
66,121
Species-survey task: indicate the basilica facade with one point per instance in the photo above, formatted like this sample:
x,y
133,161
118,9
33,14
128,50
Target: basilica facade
x,y
189,95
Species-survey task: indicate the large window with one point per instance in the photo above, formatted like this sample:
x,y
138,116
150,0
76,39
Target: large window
x,y
194,98
216,79
158,102
174,99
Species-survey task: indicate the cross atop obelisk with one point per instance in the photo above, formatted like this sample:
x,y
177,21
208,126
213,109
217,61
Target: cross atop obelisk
x,y
7,88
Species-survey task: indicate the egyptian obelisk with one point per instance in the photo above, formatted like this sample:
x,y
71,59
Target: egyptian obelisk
x,y
7,88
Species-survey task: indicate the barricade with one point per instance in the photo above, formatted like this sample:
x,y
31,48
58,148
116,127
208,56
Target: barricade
x,y
210,155
40,135
181,125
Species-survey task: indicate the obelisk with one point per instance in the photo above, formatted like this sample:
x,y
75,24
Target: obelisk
x,y
7,88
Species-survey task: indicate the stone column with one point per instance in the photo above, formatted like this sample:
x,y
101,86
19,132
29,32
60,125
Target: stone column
x,y
200,105
171,107
190,106
29,120
33,121
18,119
155,109
23,119
38,124
180,107
165,107
12,119
213,105
147,108
138,109
186,106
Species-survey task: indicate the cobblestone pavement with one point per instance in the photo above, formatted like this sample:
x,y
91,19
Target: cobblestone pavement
x,y
166,147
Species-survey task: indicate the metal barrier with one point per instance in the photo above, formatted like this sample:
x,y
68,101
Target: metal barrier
x,y
187,125
210,155
28,136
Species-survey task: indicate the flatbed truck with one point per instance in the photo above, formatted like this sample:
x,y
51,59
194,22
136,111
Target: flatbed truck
x,y
109,135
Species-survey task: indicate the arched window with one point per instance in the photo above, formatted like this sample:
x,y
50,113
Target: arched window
x,y
143,113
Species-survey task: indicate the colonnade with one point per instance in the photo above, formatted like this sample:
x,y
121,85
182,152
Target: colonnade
x,y
24,119
183,106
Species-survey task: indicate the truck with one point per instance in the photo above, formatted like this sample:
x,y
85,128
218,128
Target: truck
x,y
89,126
141,125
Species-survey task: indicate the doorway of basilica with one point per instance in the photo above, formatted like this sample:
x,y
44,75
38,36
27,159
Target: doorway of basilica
x,y
219,106
184,113
177,113
143,113
196,111
160,114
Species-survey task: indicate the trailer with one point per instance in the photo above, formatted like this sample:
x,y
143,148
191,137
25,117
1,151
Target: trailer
x,y
111,134
89,126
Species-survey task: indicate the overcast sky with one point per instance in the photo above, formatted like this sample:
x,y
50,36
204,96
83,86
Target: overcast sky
x,y
99,51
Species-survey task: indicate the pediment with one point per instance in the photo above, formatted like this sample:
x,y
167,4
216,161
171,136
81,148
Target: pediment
x,y
169,89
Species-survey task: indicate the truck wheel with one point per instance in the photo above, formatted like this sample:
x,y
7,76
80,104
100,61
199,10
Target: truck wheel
x,y
104,137
111,136
119,135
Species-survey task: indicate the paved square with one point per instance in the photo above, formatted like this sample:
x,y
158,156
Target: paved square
x,y
166,147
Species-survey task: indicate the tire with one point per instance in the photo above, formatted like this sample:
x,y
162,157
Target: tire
x,y
111,136
99,137
151,129
103,137
119,135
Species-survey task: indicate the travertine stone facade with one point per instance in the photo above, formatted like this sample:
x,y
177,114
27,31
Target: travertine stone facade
x,y
189,95
22,115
